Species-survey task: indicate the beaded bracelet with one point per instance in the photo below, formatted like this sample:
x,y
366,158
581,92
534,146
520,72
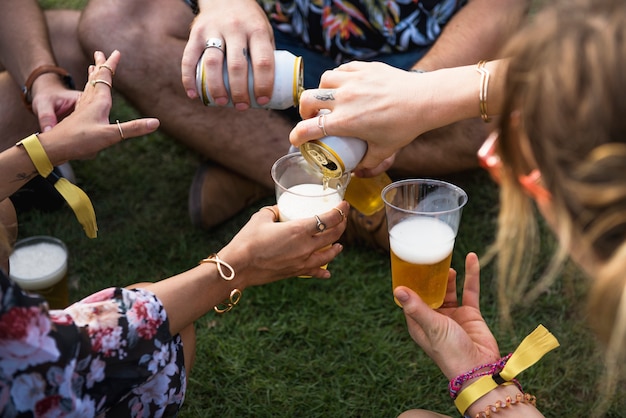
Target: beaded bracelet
x,y
235,294
496,407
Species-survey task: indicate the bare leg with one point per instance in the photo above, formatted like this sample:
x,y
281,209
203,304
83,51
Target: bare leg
x,y
15,120
151,36
442,151
8,221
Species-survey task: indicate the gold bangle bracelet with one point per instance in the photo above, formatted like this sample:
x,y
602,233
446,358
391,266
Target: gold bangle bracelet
x,y
483,89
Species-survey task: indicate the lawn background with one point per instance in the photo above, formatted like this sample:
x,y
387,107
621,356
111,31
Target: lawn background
x,y
299,347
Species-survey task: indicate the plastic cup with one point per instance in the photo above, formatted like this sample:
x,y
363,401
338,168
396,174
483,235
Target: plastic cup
x,y
39,264
423,218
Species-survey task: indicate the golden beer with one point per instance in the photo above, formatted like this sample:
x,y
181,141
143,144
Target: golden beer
x,y
364,193
39,264
421,252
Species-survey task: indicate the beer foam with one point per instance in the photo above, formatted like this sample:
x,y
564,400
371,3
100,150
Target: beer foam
x,y
421,240
40,262
306,200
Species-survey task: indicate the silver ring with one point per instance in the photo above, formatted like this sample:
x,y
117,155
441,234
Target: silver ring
x,y
321,226
320,123
214,43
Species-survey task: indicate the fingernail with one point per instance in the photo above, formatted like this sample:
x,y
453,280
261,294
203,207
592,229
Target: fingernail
x,y
401,295
191,93
47,128
152,123
263,100
242,106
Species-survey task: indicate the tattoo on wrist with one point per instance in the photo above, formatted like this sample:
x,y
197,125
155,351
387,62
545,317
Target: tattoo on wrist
x,y
25,176
326,96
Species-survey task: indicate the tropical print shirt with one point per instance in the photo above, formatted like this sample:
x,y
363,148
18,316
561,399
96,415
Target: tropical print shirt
x,y
360,29
109,355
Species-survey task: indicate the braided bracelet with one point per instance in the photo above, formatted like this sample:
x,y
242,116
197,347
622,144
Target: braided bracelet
x,y
531,350
493,368
235,294
496,407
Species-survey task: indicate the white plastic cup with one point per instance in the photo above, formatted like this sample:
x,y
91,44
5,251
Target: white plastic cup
x,y
39,264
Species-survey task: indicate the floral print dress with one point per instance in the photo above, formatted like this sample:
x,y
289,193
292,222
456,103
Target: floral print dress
x,y
110,354
360,29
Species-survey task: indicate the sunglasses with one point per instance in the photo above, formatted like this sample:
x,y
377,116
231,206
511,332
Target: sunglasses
x,y
490,161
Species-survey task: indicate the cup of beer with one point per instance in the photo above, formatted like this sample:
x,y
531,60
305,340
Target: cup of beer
x,y
423,217
365,193
302,191
39,264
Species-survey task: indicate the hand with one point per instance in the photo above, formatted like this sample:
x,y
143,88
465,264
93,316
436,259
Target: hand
x,y
52,101
455,336
266,250
246,33
87,130
372,101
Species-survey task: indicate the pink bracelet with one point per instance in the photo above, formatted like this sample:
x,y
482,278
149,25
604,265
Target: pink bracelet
x,y
492,369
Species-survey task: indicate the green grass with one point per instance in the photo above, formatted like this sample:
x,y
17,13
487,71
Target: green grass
x,y
303,347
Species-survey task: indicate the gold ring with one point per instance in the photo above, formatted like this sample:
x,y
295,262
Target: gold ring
x,y
320,123
120,129
343,215
271,209
321,226
108,68
94,82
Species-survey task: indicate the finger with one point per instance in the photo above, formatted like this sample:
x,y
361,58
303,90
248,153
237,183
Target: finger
x,y
212,71
312,100
414,307
268,213
304,131
134,128
321,258
450,299
263,67
330,219
191,55
471,288
46,116
237,60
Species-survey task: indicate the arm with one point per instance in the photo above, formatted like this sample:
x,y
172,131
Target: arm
x,y
245,32
25,47
263,251
81,135
457,338
476,32
389,108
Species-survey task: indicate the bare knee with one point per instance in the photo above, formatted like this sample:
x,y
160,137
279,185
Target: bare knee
x,y
63,31
128,26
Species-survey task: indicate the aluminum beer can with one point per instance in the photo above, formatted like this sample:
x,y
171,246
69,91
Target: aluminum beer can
x,y
288,82
334,155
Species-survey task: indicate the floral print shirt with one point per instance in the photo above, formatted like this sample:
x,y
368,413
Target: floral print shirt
x,y
110,354
360,29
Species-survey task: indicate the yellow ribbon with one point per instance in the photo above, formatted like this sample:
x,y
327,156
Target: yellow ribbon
x,y
73,195
530,351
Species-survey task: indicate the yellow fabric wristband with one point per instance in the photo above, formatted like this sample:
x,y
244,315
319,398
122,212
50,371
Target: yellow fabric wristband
x,y
530,351
73,195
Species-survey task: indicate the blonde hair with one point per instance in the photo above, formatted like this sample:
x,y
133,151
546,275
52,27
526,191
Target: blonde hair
x,y
566,86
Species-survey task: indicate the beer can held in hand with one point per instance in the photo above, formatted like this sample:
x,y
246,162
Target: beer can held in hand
x,y
288,82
